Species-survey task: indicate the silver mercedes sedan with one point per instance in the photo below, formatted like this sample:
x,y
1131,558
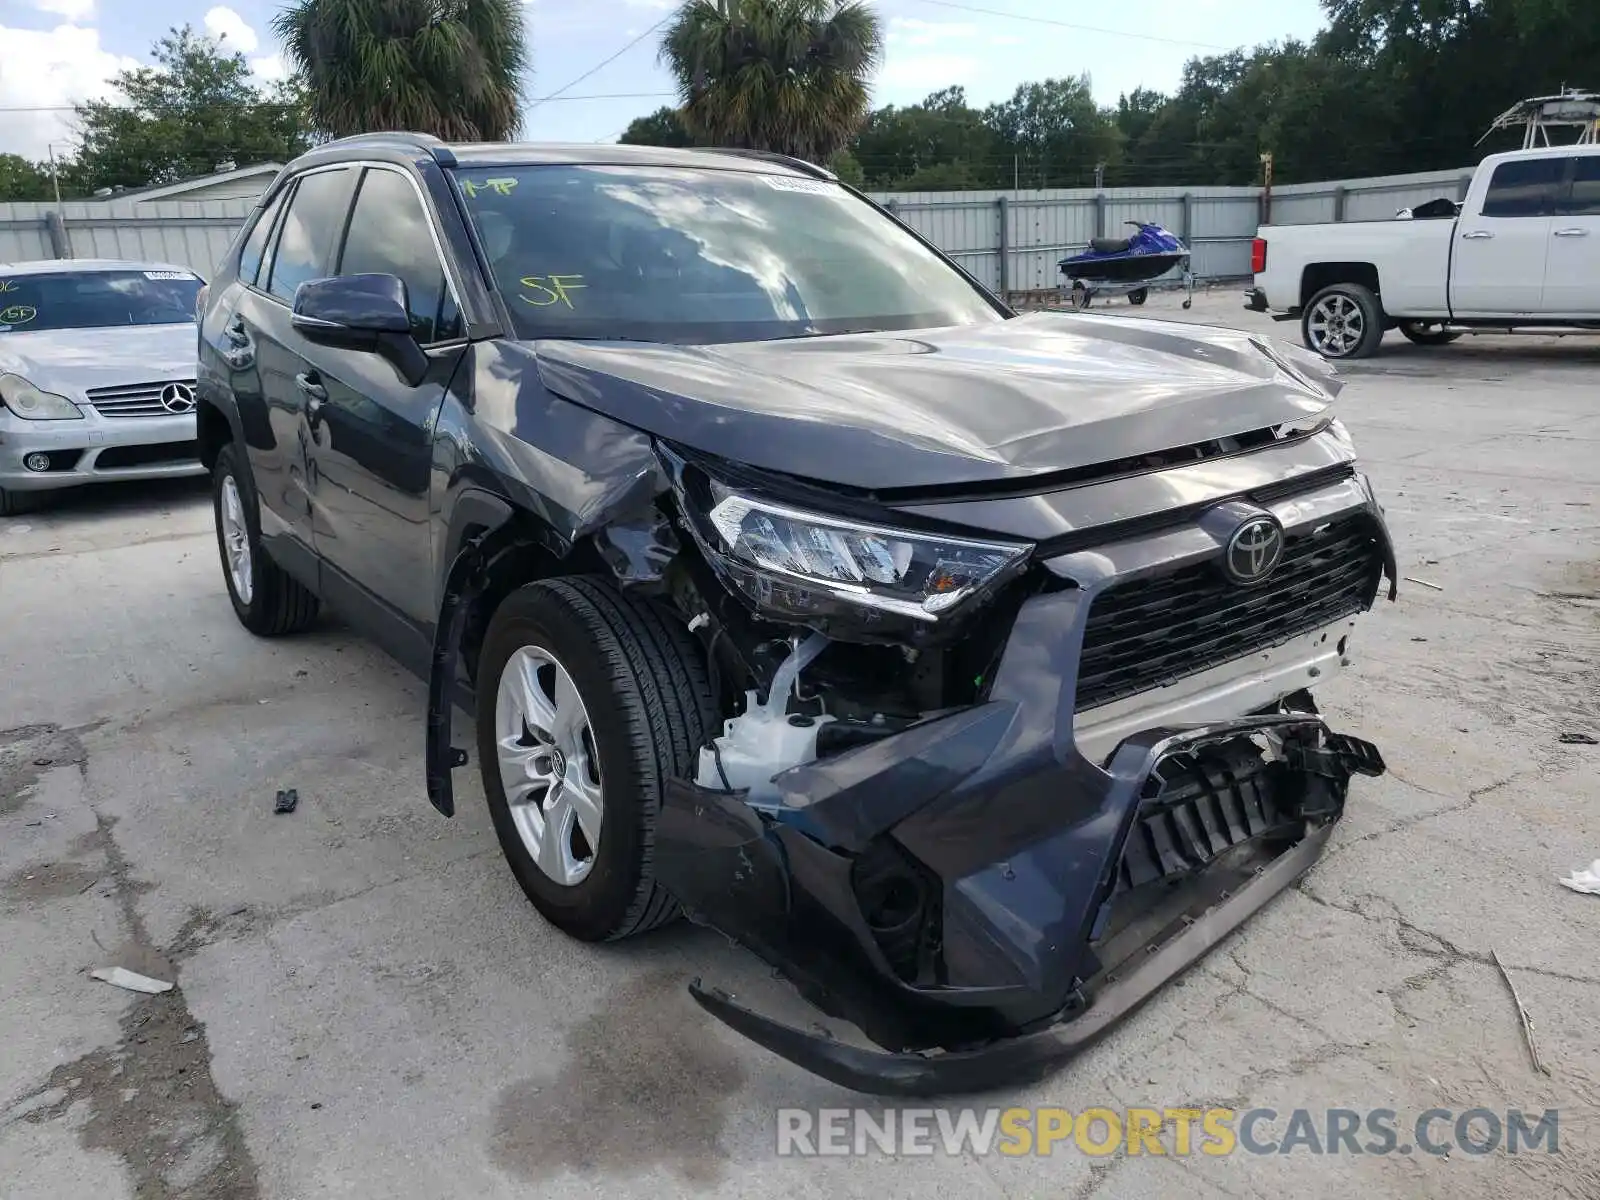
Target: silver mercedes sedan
x,y
97,370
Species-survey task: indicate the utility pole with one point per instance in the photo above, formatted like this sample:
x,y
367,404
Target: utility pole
x,y
1016,174
1266,187
1099,176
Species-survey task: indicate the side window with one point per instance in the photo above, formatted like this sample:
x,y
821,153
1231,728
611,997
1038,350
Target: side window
x,y
255,244
310,230
1524,187
1584,198
389,235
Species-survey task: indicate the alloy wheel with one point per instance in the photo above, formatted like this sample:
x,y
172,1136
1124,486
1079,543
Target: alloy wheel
x,y
236,542
548,764
1336,326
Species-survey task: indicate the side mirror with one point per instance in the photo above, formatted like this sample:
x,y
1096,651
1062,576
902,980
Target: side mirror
x,y
361,312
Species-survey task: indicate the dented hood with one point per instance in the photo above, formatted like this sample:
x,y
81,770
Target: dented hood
x,y
1041,393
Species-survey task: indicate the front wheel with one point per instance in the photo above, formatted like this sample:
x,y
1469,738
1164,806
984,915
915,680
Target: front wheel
x,y
1427,333
589,701
1343,320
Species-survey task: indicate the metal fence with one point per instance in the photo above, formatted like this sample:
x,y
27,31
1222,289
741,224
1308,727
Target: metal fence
x,y
1011,241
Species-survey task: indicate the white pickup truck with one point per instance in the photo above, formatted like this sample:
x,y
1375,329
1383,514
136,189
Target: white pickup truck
x,y
1522,253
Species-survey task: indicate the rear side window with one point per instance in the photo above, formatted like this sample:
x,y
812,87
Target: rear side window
x,y
1583,200
1524,187
256,244
389,235
311,229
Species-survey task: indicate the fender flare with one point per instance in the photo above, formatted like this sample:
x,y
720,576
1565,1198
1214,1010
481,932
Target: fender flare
x,y
462,583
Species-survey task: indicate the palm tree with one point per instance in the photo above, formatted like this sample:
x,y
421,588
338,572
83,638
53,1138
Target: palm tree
x,y
782,75
451,68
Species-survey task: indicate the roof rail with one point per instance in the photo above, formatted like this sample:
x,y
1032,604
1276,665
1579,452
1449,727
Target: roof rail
x,y
799,164
419,141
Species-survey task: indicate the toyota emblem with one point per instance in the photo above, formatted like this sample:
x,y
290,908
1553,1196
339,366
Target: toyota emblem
x,y
1253,550
177,398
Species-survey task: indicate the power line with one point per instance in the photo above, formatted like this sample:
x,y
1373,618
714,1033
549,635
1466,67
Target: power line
x,y
603,63
1143,37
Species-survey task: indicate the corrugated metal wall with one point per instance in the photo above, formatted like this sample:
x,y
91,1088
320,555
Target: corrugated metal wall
x,y
1011,241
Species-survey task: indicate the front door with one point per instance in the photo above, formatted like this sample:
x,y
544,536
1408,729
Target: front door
x,y
1572,278
1498,266
372,441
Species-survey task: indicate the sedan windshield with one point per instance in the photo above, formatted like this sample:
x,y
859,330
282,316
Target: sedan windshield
x,y
96,299
670,254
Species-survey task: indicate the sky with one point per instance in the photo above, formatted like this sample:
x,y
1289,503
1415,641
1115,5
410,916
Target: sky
x,y
53,52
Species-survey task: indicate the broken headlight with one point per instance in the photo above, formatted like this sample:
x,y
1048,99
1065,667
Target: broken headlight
x,y
918,575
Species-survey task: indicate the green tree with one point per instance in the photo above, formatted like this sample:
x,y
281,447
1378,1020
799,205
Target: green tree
x,y
24,180
196,108
1055,131
898,143
450,69
782,75
664,127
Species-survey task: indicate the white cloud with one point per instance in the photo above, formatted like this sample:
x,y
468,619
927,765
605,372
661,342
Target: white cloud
x,y
658,5
911,31
73,10
234,32
44,72
1006,39
269,68
918,75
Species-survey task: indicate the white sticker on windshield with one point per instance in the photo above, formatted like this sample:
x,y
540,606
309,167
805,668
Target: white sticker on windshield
x,y
168,275
817,187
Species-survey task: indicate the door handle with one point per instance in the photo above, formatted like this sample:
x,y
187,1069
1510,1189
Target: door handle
x,y
316,395
1478,233
1572,233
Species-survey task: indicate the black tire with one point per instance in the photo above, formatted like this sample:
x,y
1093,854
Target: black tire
x,y
1138,297
1081,294
1419,333
279,604
14,504
1361,342
644,686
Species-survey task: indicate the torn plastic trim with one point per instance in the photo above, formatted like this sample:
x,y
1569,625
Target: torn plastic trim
x,y
463,584
1029,1057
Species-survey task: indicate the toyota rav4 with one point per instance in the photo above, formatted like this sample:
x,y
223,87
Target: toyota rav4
x,y
955,660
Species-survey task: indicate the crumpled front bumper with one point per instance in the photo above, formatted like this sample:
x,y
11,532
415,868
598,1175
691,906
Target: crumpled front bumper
x,y
1060,904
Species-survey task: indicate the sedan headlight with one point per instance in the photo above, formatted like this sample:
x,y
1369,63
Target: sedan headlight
x,y
916,575
31,404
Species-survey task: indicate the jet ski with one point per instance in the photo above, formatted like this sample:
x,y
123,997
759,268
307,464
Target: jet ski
x,y
1126,265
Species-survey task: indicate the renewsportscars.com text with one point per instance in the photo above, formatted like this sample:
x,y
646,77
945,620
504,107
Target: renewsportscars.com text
x,y
1176,1131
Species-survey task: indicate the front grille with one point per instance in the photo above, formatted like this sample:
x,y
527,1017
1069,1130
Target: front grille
x,y
162,453
1152,632
134,399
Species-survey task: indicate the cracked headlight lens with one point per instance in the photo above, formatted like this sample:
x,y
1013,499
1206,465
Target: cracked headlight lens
x,y
31,404
914,574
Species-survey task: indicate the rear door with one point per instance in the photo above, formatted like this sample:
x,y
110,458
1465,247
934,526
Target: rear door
x,y
1498,265
372,444
264,346
1572,278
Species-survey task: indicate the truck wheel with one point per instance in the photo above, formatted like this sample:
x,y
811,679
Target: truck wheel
x,y
1343,320
268,601
589,701
1427,333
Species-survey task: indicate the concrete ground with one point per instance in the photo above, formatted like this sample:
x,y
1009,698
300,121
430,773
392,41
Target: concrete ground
x,y
367,1007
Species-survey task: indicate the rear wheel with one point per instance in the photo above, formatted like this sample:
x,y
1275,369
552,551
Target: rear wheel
x,y
589,702
1427,333
268,601
1343,320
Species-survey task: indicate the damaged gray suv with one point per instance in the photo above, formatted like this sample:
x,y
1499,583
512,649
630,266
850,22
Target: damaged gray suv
x,y
953,660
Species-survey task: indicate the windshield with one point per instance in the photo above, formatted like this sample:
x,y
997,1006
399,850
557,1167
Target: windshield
x,y
670,254
96,299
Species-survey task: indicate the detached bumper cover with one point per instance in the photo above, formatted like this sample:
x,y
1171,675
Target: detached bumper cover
x,y
1074,921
